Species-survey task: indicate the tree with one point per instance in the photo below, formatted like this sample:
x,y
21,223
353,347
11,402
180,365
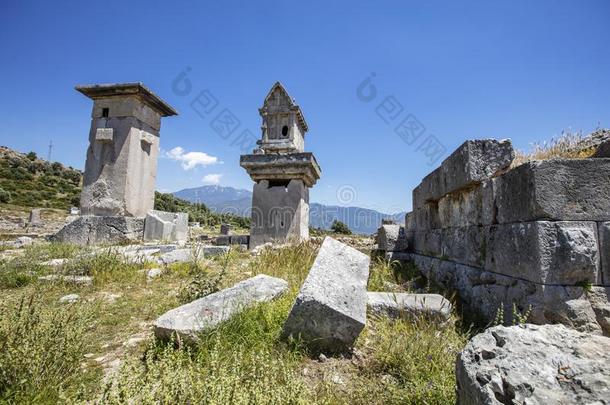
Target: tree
x,y
339,227
32,156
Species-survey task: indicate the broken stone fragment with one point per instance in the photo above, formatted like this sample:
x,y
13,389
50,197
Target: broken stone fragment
x,y
531,364
192,254
166,226
330,310
412,306
391,238
207,312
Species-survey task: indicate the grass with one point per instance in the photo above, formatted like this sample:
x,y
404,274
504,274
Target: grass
x,y
567,146
243,360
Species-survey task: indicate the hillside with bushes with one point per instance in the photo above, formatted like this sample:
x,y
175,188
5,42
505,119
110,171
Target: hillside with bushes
x,y
28,181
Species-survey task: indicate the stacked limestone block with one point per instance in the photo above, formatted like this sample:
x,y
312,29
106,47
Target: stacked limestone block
x,y
536,236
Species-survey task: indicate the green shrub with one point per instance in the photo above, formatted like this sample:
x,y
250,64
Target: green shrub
x,y
5,196
340,228
41,350
32,156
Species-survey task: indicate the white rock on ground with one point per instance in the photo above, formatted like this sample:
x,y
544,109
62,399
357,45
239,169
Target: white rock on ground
x,y
190,319
70,298
82,280
330,310
189,254
403,305
55,262
23,241
534,364
153,273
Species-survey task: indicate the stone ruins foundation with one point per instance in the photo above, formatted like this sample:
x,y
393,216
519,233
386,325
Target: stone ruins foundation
x,y
283,172
535,236
121,168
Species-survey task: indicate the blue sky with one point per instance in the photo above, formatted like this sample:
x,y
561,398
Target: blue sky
x,y
523,70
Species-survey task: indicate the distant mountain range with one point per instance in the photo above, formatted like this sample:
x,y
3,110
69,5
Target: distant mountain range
x,y
237,201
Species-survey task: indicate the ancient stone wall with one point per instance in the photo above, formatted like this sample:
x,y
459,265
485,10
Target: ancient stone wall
x,y
535,236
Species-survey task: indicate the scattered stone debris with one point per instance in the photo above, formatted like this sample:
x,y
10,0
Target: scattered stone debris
x,y
412,306
190,319
82,280
537,364
70,298
330,310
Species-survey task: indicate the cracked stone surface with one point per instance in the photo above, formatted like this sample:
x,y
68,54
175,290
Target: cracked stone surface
x,y
534,364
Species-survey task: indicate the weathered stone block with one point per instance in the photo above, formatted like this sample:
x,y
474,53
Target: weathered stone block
x,y
464,245
391,238
426,217
427,242
473,162
410,221
604,250
547,364
559,189
189,320
461,208
545,252
95,229
330,310
489,210
402,305
166,226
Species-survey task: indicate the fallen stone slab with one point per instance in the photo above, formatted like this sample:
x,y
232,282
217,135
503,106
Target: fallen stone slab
x,y
330,310
82,280
531,364
189,320
471,163
194,253
412,306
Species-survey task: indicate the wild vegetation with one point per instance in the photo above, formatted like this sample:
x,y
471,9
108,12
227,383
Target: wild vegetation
x,y
74,350
568,145
26,180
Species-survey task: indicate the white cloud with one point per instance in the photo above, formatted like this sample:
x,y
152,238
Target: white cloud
x,y
211,179
190,160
